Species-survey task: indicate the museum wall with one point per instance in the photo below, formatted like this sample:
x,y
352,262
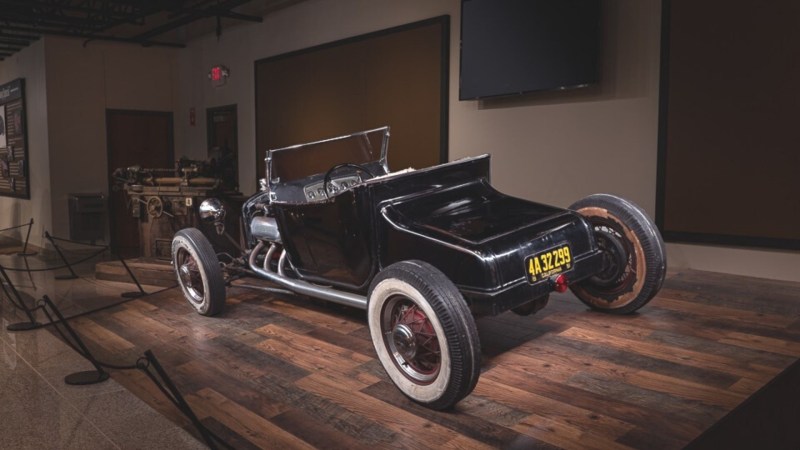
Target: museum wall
x,y
554,147
82,82
29,64
298,27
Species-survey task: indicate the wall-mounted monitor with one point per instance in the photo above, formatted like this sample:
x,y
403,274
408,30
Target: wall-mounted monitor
x,y
518,46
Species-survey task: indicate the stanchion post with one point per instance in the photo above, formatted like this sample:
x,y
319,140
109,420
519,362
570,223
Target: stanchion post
x,y
20,326
185,408
24,251
72,275
79,378
133,277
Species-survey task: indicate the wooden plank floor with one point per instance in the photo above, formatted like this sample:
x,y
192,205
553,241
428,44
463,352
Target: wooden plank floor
x,y
290,372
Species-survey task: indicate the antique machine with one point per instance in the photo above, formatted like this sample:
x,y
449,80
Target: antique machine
x,y
165,201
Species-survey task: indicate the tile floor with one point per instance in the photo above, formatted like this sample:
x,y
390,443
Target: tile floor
x,y
37,409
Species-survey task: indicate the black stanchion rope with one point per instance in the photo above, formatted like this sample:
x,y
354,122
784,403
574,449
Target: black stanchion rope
x,y
104,307
11,298
63,266
14,227
143,363
55,238
57,324
14,297
89,280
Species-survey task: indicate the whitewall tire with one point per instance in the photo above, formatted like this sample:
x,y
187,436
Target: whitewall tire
x,y
198,271
424,334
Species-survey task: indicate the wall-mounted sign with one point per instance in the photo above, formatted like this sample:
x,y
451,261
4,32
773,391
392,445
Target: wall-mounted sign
x,y
13,141
218,75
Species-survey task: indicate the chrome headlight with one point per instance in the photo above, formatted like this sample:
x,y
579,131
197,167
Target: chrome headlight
x,y
212,210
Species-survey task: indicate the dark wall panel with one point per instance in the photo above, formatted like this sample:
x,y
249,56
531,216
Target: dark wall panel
x,y
396,77
730,134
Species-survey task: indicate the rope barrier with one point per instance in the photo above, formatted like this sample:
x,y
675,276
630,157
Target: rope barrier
x,y
109,306
9,296
72,340
76,242
14,227
17,301
24,251
63,266
144,363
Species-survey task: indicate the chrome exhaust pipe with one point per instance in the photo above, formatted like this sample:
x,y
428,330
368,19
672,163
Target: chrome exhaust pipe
x,y
299,286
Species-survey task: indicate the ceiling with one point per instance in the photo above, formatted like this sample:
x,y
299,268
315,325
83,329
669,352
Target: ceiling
x,y
166,23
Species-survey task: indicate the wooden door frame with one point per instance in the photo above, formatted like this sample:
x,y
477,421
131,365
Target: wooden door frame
x,y
233,108
109,112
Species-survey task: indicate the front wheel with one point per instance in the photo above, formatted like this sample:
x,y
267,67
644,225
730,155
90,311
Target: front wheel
x,y
424,334
198,271
634,258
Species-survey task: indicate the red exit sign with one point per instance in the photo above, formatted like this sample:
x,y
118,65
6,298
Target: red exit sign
x,y
218,75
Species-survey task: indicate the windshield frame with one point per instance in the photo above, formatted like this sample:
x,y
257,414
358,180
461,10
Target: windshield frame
x,y
274,181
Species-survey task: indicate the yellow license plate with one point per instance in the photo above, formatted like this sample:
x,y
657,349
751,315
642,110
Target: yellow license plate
x,y
548,263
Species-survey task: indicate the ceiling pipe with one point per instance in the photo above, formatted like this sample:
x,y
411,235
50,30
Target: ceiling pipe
x,y
94,36
227,5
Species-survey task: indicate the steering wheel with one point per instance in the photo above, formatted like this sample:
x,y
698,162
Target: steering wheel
x,y
327,180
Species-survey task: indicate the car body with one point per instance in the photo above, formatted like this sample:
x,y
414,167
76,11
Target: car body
x,y
423,251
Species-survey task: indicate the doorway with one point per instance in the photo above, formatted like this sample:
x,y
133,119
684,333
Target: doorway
x,y
223,151
142,138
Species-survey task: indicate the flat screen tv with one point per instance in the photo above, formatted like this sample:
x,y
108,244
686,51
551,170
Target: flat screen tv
x,y
518,46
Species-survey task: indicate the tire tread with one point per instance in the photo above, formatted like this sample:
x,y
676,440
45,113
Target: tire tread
x,y
456,320
632,216
210,265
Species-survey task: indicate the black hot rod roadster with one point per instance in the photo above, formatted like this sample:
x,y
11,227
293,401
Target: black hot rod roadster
x,y
422,251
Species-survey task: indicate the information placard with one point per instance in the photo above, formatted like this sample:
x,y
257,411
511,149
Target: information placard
x,y
13,141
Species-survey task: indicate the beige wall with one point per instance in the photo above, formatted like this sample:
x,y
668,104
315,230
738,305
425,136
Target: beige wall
x,y
551,147
68,89
82,82
29,64
554,147
306,24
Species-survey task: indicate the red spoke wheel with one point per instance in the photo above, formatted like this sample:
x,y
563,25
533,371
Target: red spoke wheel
x,y
198,271
410,335
424,334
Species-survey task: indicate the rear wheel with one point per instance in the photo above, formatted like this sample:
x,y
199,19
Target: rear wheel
x,y
198,271
634,257
424,334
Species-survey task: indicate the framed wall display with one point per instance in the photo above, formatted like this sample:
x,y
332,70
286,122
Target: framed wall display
x,y
2,126
396,77
13,141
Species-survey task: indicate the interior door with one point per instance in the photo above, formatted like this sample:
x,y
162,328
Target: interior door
x,y
141,138
223,148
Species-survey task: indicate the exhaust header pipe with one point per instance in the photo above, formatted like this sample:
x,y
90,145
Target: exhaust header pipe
x,y
299,286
